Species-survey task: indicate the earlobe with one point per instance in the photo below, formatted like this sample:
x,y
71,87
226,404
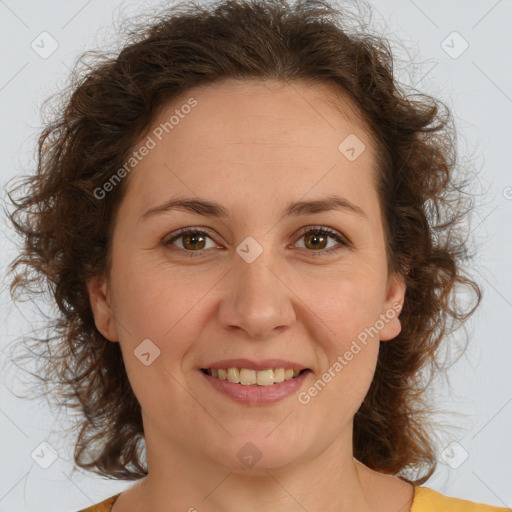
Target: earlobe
x,y
99,299
392,308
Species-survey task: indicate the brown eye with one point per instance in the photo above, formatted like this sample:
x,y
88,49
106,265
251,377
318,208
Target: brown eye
x,y
193,241
317,239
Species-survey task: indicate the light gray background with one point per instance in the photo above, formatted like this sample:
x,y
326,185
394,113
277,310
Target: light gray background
x,y
477,86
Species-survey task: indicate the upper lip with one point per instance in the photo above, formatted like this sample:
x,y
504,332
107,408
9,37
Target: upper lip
x,y
265,364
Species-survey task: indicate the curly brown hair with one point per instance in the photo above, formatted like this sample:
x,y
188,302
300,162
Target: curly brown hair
x,y
66,228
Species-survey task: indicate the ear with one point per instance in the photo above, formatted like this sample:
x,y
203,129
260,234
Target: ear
x,y
99,298
393,304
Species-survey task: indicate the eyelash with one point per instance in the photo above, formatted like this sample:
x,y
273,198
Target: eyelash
x,y
306,231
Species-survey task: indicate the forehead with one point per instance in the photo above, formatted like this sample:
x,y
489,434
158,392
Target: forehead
x,y
256,135
240,110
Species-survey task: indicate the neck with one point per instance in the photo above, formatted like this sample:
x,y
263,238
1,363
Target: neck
x,y
190,481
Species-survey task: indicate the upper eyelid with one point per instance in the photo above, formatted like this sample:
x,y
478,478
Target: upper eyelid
x,y
170,237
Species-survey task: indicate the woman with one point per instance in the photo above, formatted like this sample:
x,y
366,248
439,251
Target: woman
x,y
249,233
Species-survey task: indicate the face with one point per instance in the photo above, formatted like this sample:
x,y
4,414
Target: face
x,y
310,287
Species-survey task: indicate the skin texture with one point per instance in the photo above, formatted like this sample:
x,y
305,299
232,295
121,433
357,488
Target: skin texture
x,y
253,147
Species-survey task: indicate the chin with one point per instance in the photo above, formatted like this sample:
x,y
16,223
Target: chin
x,y
257,454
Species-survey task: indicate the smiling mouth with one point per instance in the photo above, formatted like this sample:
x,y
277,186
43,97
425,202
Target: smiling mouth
x,y
248,377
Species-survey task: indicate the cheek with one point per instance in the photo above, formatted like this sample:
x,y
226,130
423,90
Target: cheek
x,y
348,340
347,303
337,391
159,321
152,302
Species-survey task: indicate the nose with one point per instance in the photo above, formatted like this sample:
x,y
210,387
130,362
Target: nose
x,y
257,299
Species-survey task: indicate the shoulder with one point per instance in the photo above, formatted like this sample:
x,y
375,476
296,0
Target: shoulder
x,y
428,500
104,506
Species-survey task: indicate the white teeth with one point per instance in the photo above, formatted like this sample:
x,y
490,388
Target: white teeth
x,y
233,375
265,378
279,375
249,377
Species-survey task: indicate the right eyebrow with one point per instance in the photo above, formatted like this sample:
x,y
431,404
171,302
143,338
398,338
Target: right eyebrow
x,y
214,209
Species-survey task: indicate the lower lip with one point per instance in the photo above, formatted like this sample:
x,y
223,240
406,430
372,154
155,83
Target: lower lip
x,y
257,395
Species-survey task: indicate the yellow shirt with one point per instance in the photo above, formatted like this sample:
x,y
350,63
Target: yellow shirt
x,y
425,500
428,500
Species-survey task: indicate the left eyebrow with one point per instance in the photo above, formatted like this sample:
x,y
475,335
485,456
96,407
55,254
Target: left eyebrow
x,y
297,208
